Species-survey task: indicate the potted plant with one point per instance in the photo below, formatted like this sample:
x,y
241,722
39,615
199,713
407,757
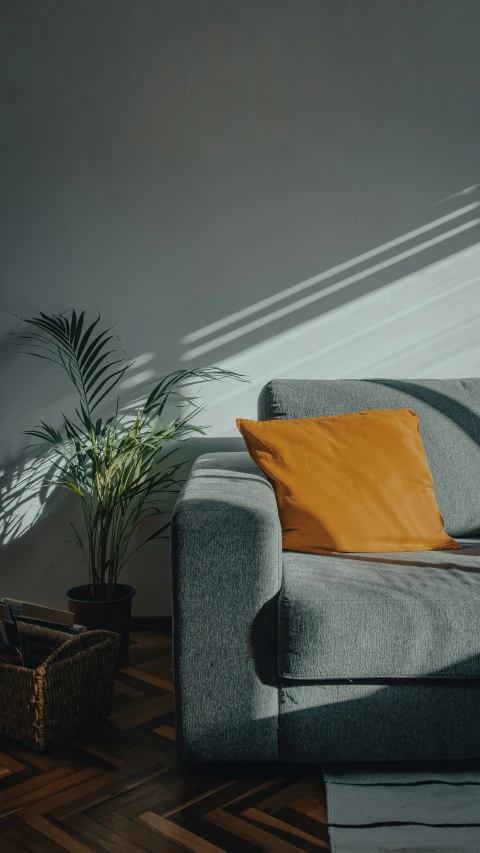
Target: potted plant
x,y
121,468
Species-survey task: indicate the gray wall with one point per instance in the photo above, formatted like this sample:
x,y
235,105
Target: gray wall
x,y
173,163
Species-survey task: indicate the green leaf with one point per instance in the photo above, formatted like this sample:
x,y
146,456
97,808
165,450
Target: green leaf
x,y
95,400
77,536
41,356
93,367
86,337
157,533
53,322
66,325
78,331
102,371
94,348
73,328
73,488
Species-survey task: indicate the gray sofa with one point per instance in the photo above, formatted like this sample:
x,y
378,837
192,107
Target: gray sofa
x,y
298,657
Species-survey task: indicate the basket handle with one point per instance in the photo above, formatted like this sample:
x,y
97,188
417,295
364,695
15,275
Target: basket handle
x,y
79,642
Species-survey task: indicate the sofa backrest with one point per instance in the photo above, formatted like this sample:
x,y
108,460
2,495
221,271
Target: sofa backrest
x,y
449,412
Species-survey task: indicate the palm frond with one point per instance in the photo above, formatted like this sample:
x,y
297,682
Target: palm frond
x,y
122,468
87,361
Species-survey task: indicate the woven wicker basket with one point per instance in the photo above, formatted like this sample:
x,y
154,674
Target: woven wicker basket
x,y
65,686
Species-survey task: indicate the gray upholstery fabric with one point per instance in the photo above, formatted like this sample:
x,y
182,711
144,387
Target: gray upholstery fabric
x,y
449,411
372,722
354,616
226,573
380,615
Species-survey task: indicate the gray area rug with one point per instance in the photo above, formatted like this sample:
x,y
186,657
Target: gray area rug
x,y
406,808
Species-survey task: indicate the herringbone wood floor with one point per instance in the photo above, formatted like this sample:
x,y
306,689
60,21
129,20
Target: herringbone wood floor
x,y
119,788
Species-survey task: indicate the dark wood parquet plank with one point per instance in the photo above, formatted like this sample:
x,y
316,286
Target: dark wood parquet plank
x,y
101,835
143,713
257,835
194,841
9,846
310,825
10,764
65,840
32,840
148,841
42,786
110,790
275,801
165,731
144,675
146,796
214,834
119,787
229,797
267,820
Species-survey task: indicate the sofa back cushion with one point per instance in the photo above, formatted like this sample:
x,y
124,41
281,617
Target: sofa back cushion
x,y
449,411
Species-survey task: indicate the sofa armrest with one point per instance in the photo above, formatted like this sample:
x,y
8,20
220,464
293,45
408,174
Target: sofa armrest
x,y
226,575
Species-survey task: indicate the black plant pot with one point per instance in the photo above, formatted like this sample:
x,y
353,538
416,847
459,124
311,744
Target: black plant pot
x,y
114,615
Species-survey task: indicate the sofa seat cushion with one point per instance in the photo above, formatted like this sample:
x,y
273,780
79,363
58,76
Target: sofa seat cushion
x,y
363,616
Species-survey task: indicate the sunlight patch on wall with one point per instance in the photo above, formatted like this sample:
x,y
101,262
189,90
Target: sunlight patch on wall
x,y
466,191
24,491
327,291
323,276
142,359
424,324
136,379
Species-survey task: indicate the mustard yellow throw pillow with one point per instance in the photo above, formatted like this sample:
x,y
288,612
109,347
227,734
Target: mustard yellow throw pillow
x,y
345,483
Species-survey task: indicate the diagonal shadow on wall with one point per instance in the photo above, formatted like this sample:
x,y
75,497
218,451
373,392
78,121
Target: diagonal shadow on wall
x,y
349,280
